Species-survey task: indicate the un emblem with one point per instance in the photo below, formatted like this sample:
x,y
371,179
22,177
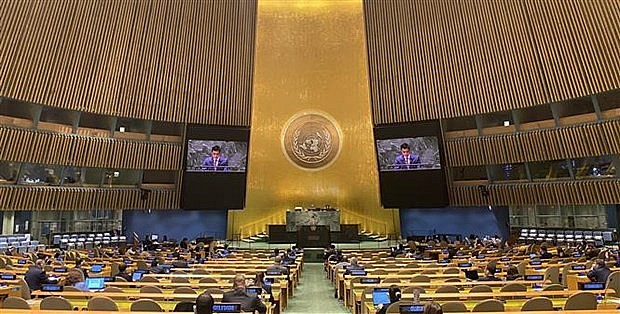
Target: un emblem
x,y
311,140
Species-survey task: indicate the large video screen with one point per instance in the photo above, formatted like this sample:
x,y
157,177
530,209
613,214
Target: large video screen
x,y
410,153
215,167
210,155
410,159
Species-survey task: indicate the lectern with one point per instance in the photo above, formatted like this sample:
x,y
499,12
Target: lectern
x,y
313,236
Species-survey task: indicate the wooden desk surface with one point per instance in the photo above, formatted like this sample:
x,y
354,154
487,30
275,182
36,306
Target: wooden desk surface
x,y
38,311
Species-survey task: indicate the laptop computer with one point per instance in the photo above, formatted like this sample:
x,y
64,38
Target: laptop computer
x,y
578,267
534,277
463,265
411,309
471,274
95,283
254,290
380,296
137,275
60,269
227,308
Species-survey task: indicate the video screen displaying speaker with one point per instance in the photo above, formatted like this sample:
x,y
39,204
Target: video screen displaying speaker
x,y
215,166
411,163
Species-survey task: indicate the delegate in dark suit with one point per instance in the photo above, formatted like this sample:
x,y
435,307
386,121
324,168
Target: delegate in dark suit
x,y
249,302
215,164
407,162
600,272
35,276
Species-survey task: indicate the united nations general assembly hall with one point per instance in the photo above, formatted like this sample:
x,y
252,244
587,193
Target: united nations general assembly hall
x,y
309,156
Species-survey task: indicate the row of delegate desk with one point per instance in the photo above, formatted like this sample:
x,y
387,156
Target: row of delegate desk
x,y
357,296
222,271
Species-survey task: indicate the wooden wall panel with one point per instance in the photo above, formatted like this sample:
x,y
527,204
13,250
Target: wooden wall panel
x,y
602,191
577,141
578,45
170,60
446,58
24,145
64,198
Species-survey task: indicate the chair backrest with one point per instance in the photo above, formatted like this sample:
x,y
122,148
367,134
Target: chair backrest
x,y
184,290
179,280
489,306
56,303
429,272
480,288
101,304
201,271
115,290
377,272
145,305
537,304
410,289
552,274
149,279
151,289
554,287
408,272
207,280
613,282
24,288
452,280
454,307
184,306
513,287
583,300
15,303
421,278
391,280
120,279
447,289
393,308
213,291
452,271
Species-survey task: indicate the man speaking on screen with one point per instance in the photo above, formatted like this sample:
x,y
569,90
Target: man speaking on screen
x,y
406,160
215,162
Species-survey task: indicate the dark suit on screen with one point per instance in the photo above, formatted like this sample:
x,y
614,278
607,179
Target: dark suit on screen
x,y
249,302
401,162
210,164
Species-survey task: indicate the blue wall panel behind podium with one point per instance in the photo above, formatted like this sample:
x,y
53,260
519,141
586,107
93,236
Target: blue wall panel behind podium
x,y
176,224
455,220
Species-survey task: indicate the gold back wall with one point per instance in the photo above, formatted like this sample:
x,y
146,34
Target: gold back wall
x,y
311,58
169,60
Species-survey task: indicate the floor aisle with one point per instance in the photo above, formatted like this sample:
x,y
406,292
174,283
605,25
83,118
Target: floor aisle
x,y
315,294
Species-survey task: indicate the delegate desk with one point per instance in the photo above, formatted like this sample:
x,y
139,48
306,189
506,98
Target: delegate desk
x,y
124,299
286,286
514,300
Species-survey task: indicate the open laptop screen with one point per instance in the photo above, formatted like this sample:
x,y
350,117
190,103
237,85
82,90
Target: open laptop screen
x,y
95,283
381,296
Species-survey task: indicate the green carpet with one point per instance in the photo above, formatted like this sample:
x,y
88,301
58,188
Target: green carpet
x,y
315,293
